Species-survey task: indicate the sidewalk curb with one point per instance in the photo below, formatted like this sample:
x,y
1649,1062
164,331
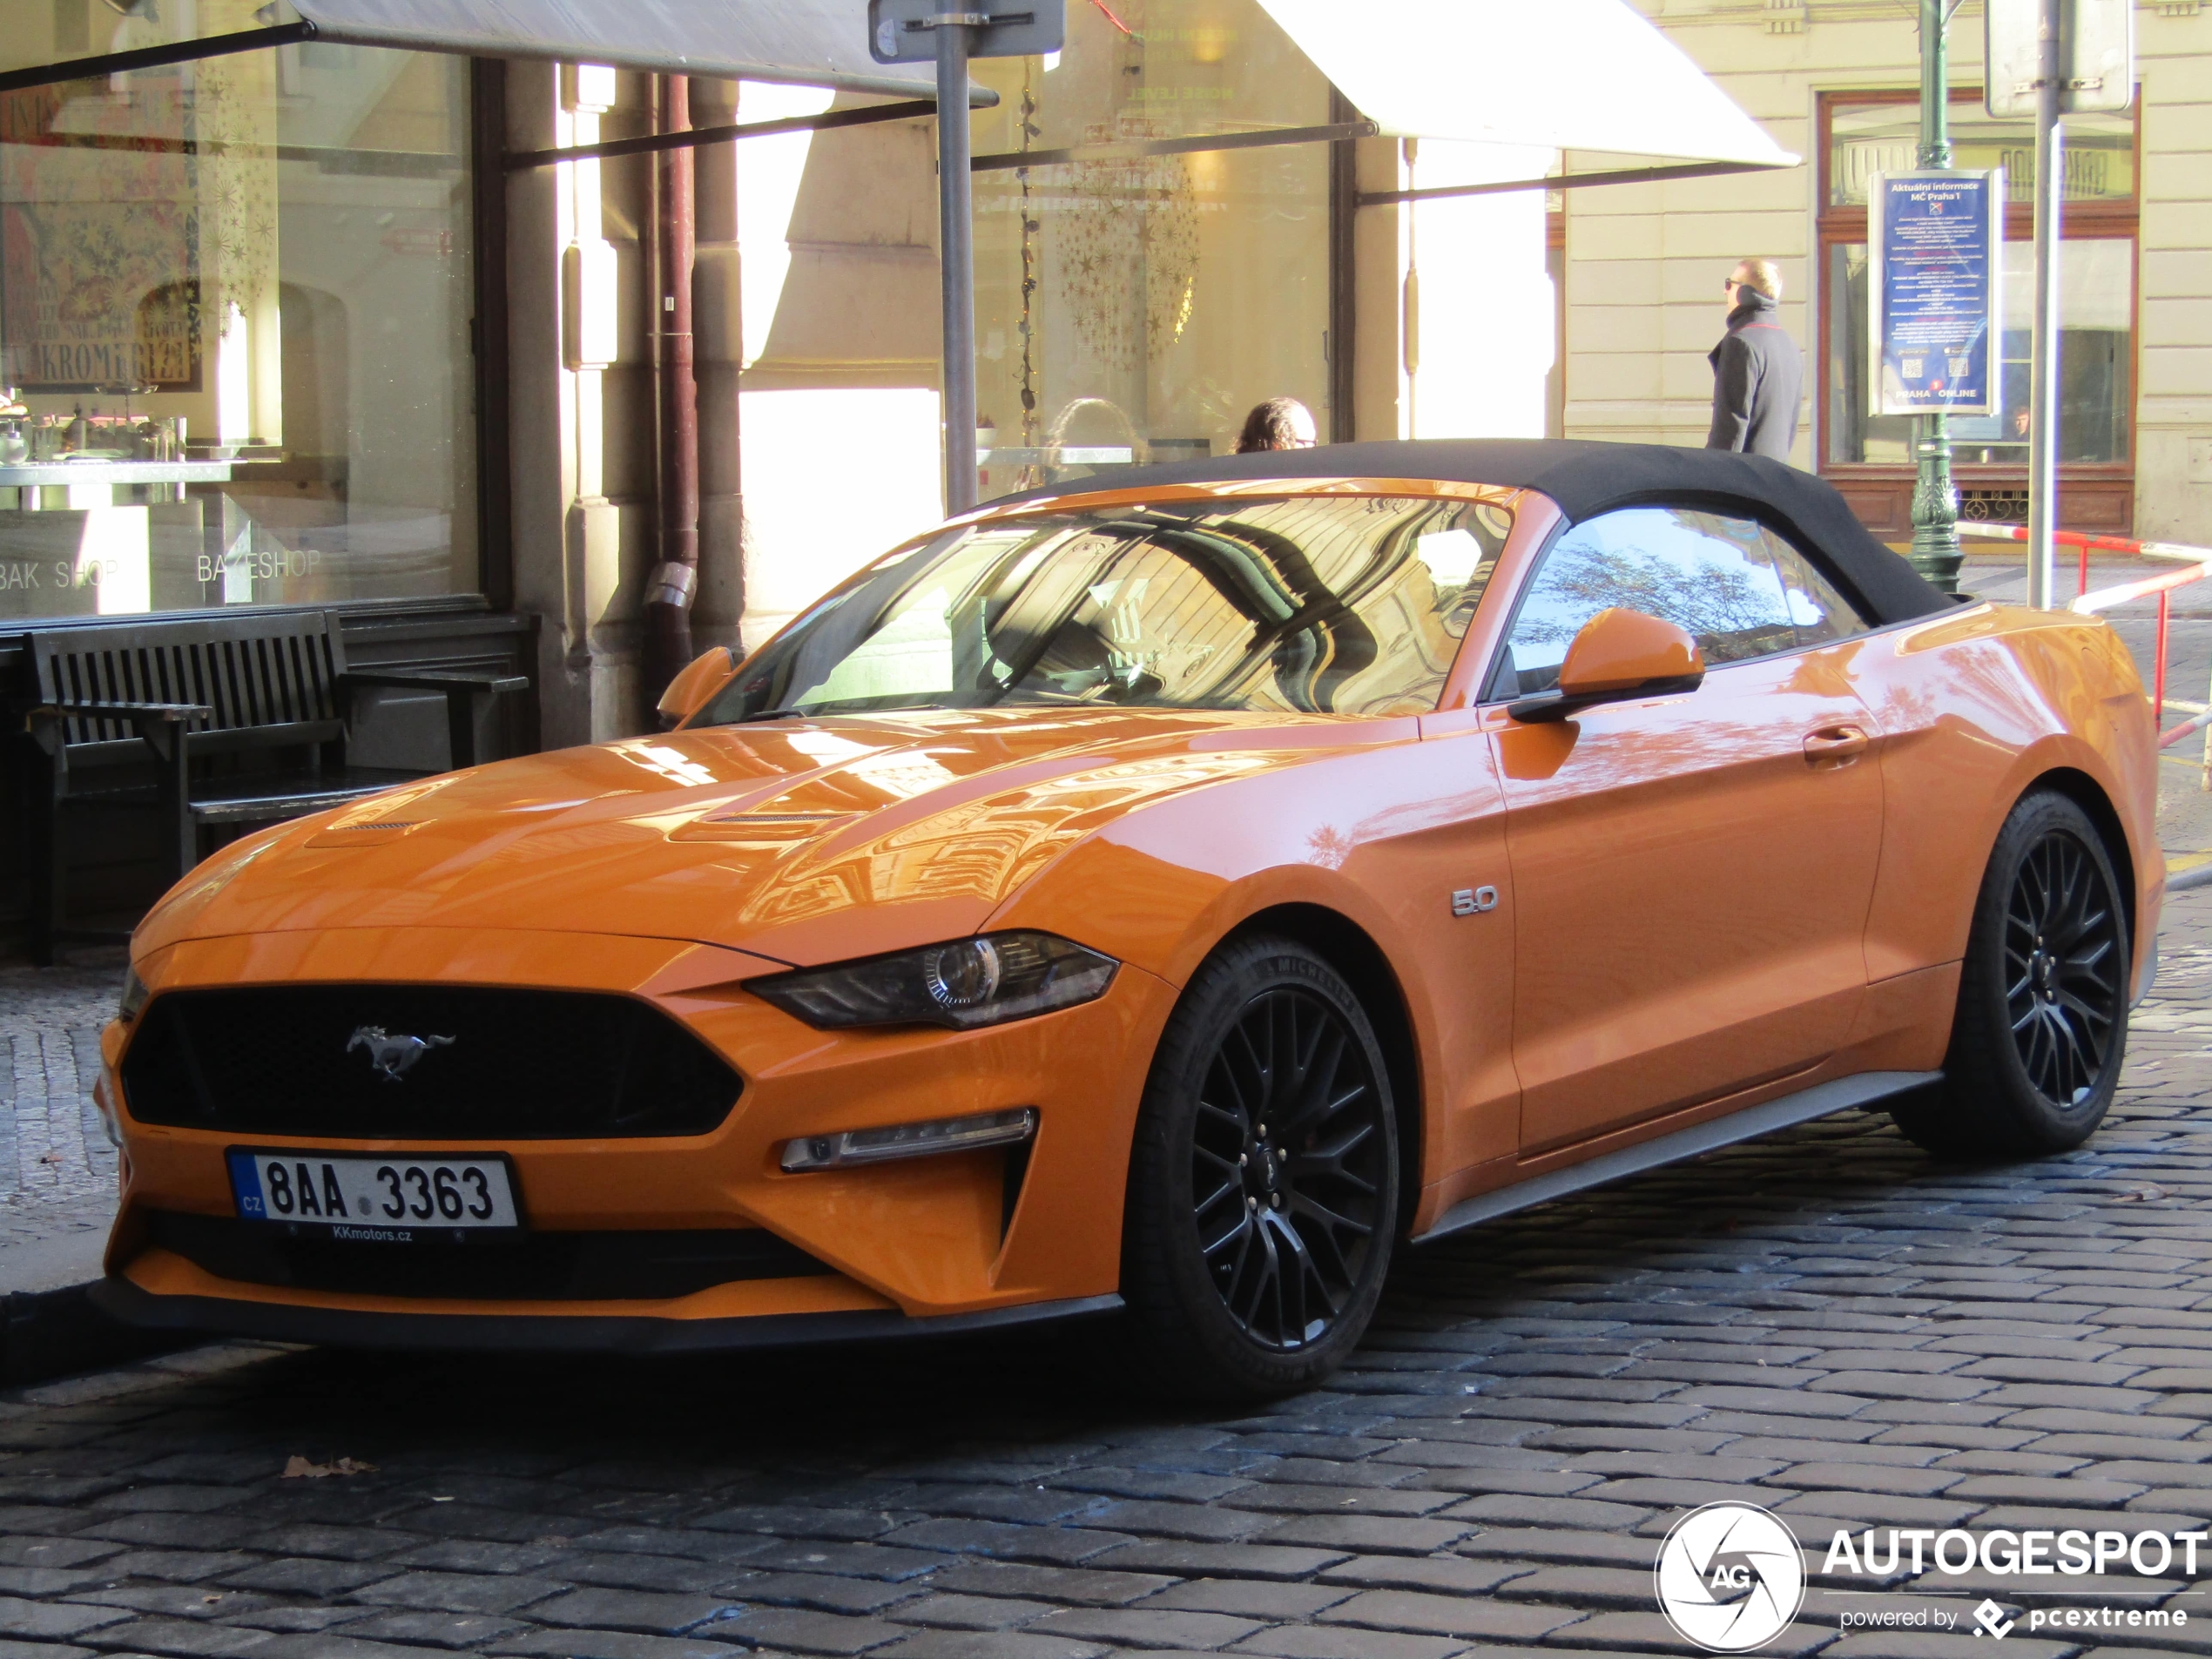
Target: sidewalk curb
x,y
51,1334
2196,875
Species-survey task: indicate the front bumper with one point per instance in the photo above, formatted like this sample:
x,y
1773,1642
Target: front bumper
x,y
901,1247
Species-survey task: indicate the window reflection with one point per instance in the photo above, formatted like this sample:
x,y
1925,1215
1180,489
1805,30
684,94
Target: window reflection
x,y
2096,360
1329,606
1735,586
1867,138
234,297
1130,305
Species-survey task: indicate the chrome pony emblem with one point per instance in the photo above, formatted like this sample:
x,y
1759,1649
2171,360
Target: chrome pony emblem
x,y
392,1056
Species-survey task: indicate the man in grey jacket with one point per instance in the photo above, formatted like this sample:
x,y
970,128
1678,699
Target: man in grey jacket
x,y
1757,372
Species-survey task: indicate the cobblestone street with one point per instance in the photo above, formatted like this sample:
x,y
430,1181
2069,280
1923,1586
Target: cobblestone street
x,y
1828,1323
57,1168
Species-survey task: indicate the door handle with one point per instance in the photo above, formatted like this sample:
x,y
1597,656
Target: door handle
x,y
1836,743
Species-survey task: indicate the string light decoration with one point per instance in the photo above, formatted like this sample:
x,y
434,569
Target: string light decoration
x,y
234,160
1132,231
1030,227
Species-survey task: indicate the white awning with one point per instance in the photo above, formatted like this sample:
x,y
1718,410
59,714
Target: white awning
x,y
806,43
1556,74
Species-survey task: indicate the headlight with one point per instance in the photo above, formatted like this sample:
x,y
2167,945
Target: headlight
x,y
134,996
961,984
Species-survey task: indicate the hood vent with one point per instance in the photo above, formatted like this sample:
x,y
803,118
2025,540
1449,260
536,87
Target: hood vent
x,y
370,834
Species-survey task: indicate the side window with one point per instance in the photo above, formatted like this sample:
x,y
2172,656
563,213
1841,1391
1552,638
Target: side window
x,y
1732,585
1822,614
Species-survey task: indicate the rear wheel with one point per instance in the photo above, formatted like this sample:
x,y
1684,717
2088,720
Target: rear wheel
x,y
2042,1022
1262,1191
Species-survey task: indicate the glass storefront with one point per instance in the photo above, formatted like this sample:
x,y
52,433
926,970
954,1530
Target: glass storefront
x,y
1134,305
235,299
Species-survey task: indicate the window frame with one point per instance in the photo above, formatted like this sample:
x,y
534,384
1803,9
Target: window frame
x,y
2095,494
1488,696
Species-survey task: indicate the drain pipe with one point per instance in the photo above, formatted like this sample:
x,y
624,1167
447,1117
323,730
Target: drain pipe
x,y
675,579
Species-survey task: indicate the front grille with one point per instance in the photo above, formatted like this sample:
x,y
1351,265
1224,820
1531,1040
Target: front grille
x,y
537,1267
520,1064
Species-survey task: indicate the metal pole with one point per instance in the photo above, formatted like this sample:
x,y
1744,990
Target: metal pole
x,y
675,579
956,257
1935,499
2043,407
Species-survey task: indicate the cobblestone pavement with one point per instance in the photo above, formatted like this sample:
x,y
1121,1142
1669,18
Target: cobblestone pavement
x,y
1827,1322
57,1168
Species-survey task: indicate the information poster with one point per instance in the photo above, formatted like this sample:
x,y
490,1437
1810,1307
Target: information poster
x,y
1935,241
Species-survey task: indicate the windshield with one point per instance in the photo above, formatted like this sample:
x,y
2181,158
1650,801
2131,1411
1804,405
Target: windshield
x,y
1330,604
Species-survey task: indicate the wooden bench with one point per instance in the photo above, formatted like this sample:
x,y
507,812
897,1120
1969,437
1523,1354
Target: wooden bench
x,y
213,724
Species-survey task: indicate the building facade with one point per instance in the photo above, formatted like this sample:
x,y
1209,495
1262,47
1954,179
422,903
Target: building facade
x,y
1837,81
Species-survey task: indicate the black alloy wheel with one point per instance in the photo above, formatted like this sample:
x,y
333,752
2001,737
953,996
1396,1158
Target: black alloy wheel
x,y
2066,973
2041,1028
1264,1180
1286,1167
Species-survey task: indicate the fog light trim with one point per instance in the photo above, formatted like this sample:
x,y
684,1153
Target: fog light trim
x,y
848,1147
106,1107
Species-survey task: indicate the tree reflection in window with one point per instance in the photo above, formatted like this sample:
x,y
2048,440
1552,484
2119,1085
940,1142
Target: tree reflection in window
x,y
1732,585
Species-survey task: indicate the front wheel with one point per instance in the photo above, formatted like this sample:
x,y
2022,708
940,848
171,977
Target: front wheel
x,y
1263,1188
2043,1023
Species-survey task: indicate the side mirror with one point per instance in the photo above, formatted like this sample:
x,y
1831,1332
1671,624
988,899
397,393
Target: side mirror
x,y
697,680
1619,655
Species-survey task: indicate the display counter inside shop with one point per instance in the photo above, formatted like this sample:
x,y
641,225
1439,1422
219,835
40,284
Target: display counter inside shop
x,y
113,537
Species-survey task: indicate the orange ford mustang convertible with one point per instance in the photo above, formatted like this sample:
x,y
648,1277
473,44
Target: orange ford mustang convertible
x,y
1173,893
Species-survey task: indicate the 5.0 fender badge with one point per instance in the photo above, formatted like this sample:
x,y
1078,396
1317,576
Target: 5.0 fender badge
x,y
392,1057
1472,902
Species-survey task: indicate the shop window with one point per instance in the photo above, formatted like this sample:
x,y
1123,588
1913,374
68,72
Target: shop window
x,y
234,305
2097,361
1134,306
1871,457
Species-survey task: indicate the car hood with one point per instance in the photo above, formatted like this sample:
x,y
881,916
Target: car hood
x,y
802,840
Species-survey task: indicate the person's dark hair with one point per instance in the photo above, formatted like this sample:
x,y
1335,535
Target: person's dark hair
x,y
1272,425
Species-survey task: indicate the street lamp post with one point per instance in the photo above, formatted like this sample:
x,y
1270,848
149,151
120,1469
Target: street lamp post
x,y
956,252
1935,498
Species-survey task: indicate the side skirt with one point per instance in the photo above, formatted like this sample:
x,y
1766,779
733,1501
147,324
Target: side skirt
x,y
1820,1101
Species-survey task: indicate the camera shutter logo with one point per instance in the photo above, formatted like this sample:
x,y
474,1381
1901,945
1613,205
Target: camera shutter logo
x,y
1729,1577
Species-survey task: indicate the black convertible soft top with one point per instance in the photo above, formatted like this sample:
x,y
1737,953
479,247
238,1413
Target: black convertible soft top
x,y
1587,479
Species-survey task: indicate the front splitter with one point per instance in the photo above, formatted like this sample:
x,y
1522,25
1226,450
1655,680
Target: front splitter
x,y
554,1333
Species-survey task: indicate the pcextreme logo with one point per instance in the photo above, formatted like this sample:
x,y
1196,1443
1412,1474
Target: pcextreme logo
x,y
1729,1577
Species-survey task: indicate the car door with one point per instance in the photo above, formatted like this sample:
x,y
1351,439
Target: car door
x,y
1691,873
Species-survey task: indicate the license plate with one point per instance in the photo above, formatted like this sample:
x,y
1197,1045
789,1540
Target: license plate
x,y
375,1200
